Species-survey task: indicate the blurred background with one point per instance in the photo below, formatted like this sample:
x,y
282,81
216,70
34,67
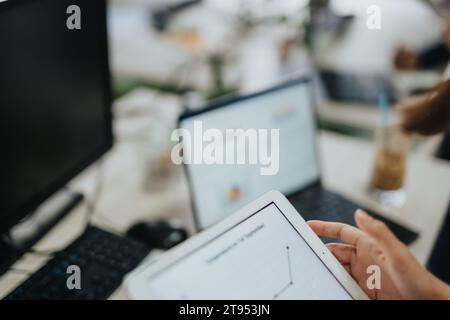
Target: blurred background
x,y
172,56
196,51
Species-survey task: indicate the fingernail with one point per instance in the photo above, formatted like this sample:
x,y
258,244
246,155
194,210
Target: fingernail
x,y
365,218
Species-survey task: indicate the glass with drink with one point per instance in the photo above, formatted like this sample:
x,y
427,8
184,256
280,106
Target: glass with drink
x,y
392,146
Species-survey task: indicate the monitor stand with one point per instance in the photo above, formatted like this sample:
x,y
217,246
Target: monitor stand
x,y
23,236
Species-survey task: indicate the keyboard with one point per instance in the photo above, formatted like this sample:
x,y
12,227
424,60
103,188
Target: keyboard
x,y
103,259
319,204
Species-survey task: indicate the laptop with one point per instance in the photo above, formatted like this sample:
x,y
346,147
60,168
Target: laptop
x,y
357,88
218,190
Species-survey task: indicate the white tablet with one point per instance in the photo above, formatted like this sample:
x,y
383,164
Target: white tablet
x,y
264,251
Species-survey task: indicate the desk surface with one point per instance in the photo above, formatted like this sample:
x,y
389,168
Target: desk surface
x,y
346,164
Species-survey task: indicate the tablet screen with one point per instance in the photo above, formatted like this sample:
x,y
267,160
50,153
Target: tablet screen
x,y
262,257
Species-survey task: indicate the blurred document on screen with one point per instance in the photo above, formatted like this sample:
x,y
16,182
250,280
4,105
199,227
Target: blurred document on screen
x,y
263,257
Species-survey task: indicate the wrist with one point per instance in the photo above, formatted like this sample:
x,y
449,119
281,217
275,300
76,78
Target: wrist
x,y
440,291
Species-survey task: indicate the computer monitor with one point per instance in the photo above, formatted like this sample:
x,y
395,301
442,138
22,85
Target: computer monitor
x,y
55,99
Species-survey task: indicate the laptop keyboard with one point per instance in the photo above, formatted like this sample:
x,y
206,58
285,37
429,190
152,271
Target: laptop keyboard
x,y
319,204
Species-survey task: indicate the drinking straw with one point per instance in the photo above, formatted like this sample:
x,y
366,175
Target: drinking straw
x,y
383,107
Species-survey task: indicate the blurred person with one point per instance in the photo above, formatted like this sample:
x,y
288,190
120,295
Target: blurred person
x,y
428,116
435,56
431,116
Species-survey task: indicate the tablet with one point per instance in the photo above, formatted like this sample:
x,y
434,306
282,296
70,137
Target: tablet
x,y
264,251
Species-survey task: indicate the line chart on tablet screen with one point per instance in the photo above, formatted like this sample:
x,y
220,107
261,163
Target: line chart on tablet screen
x,y
263,257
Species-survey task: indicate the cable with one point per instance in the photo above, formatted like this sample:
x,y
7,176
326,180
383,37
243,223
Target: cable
x,y
21,271
92,203
17,250
109,223
96,213
42,253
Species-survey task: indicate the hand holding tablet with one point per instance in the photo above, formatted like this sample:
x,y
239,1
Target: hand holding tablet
x,y
264,251
372,250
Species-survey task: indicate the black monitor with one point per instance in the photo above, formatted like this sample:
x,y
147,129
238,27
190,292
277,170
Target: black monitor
x,y
55,99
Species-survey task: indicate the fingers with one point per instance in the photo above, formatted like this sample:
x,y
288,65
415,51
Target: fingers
x,y
375,228
343,252
347,268
335,230
410,277
381,234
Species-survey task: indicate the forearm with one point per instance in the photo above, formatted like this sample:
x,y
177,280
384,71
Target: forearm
x,y
431,114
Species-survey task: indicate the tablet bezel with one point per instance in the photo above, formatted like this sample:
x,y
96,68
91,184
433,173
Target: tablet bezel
x,y
135,283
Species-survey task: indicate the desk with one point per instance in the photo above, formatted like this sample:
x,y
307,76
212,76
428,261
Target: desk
x,y
346,165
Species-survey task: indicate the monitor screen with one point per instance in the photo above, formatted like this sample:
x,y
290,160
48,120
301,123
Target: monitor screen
x,y
288,109
54,99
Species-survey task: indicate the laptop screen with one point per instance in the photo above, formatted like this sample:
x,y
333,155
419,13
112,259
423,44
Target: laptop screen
x,y
219,189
